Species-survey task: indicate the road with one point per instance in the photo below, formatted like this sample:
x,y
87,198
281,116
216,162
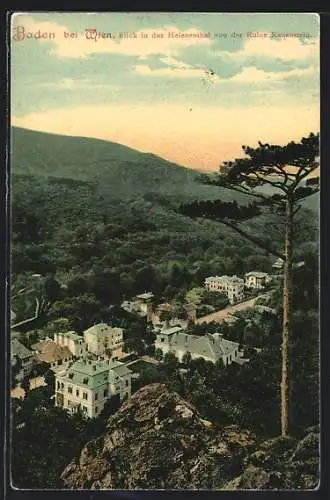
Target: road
x,y
225,314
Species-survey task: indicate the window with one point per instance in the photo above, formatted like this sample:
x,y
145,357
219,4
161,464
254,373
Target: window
x,y
69,389
77,393
62,385
85,395
96,396
96,409
58,385
105,393
126,383
84,409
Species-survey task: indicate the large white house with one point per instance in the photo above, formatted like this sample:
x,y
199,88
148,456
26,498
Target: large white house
x,y
73,341
232,286
87,385
104,339
211,347
256,279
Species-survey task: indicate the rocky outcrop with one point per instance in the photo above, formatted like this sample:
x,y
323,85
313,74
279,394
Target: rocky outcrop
x,y
160,441
282,463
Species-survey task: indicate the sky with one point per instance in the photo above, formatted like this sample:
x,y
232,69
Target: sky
x,y
146,80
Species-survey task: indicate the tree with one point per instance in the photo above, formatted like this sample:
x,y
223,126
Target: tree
x,y
166,316
283,169
158,354
25,384
186,358
16,367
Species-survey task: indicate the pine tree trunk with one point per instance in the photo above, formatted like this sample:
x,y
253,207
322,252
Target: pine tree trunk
x,y
287,318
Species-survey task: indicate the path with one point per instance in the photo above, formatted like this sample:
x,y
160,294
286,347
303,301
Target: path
x,y
228,312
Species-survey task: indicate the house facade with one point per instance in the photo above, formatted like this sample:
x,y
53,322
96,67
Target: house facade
x,y
87,385
210,347
232,286
23,355
103,339
256,280
73,341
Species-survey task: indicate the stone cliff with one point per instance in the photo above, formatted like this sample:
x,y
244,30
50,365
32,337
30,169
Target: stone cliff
x,y
159,441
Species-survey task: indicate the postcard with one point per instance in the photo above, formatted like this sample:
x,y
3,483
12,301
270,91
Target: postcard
x,y
165,174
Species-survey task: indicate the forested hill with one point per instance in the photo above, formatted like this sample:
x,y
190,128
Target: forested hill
x,y
117,170
106,215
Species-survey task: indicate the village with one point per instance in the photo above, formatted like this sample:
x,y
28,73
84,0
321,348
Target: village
x,y
90,368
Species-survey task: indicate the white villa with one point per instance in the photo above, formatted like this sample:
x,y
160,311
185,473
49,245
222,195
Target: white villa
x,y
73,341
102,339
256,279
210,347
232,286
88,385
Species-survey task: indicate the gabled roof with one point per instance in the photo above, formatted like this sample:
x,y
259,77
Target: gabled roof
x,y
225,278
145,296
50,352
19,350
101,328
257,274
211,346
172,330
93,374
278,263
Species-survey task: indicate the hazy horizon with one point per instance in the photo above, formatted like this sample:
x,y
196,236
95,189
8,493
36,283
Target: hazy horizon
x,y
192,101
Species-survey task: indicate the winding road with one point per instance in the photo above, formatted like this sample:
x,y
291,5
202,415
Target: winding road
x,y
228,312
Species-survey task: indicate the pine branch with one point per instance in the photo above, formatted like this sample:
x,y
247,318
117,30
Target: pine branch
x,y
254,240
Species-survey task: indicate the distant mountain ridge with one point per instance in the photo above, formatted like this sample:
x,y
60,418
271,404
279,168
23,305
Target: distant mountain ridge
x,y
119,171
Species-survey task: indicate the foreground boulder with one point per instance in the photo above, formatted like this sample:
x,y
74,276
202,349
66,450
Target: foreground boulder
x,y
282,463
160,441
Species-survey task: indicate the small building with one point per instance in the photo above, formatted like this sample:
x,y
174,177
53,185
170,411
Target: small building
x,y
232,286
104,339
23,355
210,347
256,280
141,305
50,352
87,385
278,265
73,341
